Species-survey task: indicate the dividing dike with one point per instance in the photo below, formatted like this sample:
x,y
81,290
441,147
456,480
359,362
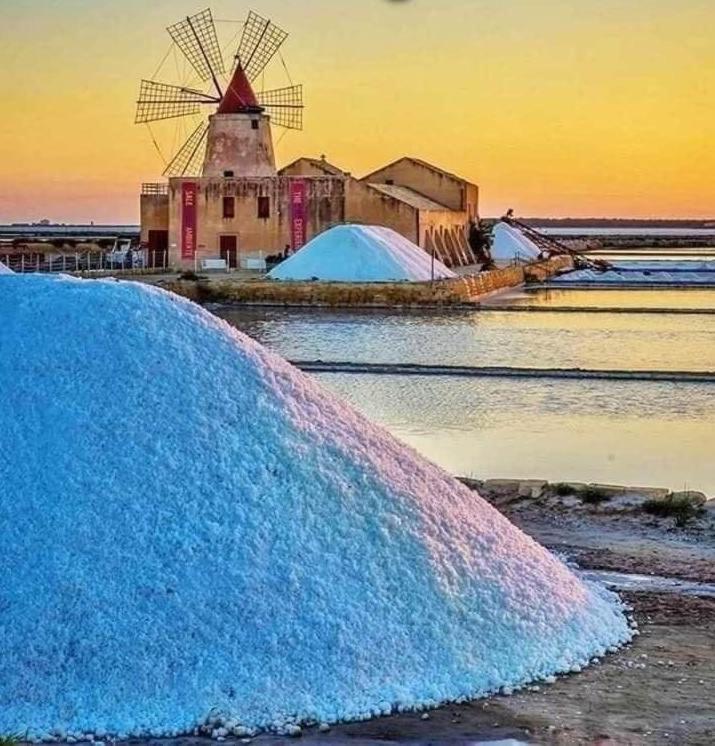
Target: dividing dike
x,y
468,371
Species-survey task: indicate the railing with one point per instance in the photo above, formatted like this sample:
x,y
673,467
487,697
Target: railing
x,y
155,188
87,261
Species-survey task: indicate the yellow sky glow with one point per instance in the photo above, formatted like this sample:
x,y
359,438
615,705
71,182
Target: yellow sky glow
x,y
580,108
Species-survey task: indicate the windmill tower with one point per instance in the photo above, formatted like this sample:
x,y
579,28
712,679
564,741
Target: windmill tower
x,y
236,140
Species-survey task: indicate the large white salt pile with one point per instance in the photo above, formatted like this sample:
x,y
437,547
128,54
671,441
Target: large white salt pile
x,y
361,253
192,527
5,270
510,244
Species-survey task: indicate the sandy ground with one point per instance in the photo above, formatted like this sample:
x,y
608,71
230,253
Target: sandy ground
x,y
623,543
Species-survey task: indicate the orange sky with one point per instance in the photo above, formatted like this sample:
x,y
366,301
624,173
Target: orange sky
x,y
555,107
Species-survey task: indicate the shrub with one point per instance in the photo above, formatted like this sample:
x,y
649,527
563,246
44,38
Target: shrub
x,y
593,495
562,489
681,508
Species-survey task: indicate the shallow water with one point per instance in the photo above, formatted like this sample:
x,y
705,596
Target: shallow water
x,y
627,432
631,433
649,583
664,298
544,340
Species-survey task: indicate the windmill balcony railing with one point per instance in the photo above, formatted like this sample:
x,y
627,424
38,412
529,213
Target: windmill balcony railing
x,y
150,188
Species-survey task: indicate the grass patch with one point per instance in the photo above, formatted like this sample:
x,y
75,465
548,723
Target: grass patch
x,y
680,508
593,495
562,489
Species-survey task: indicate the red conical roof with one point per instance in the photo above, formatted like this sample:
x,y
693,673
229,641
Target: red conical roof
x,y
239,95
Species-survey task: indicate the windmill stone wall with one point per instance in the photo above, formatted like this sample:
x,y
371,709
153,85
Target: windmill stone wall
x,y
239,145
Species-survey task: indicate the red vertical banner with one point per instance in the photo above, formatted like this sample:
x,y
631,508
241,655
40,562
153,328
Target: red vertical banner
x,y
297,213
188,220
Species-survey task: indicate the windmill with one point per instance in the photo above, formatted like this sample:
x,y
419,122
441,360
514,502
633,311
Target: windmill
x,y
236,138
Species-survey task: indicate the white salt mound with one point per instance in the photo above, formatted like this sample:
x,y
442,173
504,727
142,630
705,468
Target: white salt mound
x,y
360,253
510,244
5,270
191,526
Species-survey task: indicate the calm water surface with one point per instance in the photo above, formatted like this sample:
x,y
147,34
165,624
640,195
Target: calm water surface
x,y
606,298
545,340
633,433
627,432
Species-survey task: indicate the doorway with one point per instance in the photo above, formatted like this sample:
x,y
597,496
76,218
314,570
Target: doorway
x,y
157,249
228,246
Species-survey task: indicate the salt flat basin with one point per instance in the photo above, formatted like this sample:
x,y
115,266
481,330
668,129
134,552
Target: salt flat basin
x,y
690,274
615,299
606,341
623,432
584,431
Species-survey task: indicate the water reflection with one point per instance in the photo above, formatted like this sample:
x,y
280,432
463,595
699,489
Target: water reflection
x,y
628,433
558,340
598,298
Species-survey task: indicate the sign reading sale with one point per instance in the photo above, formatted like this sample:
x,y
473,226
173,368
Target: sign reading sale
x,y
188,220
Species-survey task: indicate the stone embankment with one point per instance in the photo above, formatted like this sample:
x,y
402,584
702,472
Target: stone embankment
x,y
464,290
679,508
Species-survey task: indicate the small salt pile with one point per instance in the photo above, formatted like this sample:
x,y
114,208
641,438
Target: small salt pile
x,y
361,253
510,244
200,539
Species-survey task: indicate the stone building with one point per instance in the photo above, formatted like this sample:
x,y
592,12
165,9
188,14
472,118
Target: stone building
x,y
242,208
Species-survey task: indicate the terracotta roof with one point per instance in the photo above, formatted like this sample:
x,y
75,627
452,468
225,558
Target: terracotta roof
x,y
239,96
408,196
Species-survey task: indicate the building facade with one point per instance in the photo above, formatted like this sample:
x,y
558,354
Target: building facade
x,y
242,209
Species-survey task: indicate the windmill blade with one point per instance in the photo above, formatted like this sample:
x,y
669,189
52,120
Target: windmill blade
x,y
162,101
261,39
189,159
284,106
196,37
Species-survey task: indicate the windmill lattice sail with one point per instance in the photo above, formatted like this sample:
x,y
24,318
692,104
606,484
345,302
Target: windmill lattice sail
x,y
196,37
284,105
260,41
163,101
190,157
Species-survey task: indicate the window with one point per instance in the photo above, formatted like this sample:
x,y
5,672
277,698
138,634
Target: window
x,y
254,124
229,207
228,174
390,182
264,207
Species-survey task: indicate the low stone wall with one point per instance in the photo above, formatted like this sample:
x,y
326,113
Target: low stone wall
x,y
457,291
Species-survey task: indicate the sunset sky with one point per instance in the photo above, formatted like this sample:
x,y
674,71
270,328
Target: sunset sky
x,y
554,107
